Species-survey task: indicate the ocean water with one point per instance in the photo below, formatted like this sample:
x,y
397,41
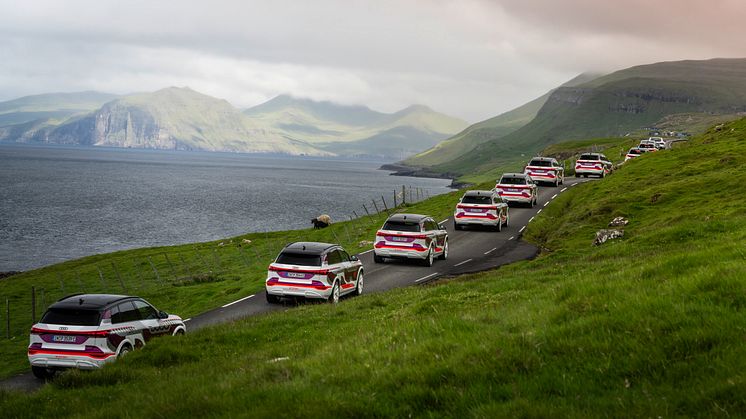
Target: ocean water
x,y
61,203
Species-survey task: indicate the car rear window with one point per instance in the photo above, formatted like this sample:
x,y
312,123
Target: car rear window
x,y
484,200
301,259
588,157
540,163
72,317
512,181
408,226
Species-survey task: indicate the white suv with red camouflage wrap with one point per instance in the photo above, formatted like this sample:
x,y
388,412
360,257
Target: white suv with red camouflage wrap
x,y
481,208
546,169
519,188
86,331
314,270
411,236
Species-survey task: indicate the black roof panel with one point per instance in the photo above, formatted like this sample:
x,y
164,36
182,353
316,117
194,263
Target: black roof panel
x,y
309,248
88,301
407,217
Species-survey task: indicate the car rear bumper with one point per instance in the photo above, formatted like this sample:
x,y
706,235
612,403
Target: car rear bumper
x,y
298,291
401,253
586,171
82,362
482,221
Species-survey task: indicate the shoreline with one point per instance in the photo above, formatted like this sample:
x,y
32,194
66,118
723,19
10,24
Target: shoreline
x,y
402,170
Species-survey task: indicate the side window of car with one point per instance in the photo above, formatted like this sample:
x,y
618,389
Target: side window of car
x,y
111,313
345,256
126,312
333,257
432,225
145,310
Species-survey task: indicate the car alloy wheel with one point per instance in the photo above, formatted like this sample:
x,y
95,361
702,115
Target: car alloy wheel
x,y
360,283
334,297
444,255
124,351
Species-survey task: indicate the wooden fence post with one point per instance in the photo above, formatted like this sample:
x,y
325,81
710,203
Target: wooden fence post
x,y
385,207
101,277
376,206
62,284
33,305
403,194
7,318
158,277
170,266
119,277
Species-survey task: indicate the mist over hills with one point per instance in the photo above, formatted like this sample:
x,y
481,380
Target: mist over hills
x,y
183,119
610,105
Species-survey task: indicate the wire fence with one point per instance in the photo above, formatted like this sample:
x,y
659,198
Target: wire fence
x,y
154,271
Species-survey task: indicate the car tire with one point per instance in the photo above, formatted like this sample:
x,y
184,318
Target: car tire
x,y
42,373
507,219
272,299
334,296
456,226
125,349
360,283
444,255
499,226
377,259
179,332
428,261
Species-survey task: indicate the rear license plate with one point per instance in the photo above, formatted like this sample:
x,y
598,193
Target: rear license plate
x,y
399,239
296,275
63,338
474,210
513,190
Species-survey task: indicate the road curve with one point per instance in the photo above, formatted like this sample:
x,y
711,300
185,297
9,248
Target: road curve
x,y
470,250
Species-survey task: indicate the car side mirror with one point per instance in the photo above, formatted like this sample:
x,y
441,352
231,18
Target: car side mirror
x,y
354,258
162,315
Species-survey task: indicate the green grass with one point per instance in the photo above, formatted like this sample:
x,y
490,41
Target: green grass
x,y
649,325
187,279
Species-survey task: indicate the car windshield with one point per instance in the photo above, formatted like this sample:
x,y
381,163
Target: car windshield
x,y
408,226
512,181
484,200
634,151
72,317
588,157
540,163
300,259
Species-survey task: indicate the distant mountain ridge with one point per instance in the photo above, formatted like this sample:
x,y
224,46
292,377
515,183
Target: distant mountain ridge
x,y
183,119
611,105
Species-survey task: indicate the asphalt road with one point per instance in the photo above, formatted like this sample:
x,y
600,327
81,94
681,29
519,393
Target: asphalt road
x,y
470,250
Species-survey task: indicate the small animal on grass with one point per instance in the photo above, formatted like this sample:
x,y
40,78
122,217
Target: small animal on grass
x,y
321,221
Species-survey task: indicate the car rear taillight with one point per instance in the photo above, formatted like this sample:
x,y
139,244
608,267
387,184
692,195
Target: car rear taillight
x,y
91,333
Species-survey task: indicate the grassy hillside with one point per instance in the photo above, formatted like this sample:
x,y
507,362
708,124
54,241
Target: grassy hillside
x,y
615,105
485,131
649,325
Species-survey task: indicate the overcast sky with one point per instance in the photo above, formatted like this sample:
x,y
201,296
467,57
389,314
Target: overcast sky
x,y
469,58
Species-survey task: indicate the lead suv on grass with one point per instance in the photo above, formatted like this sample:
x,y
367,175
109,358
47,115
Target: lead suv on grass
x,y
546,169
411,236
481,208
86,331
314,270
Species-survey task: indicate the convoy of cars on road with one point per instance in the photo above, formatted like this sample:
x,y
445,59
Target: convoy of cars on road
x,y
86,331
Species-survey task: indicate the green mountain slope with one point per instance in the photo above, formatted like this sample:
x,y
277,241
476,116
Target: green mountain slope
x,y
55,107
356,130
650,325
484,131
615,105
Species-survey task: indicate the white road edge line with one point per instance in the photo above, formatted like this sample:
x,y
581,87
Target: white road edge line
x,y
564,189
238,301
425,277
511,237
522,228
531,219
538,212
573,184
444,221
186,320
546,203
367,251
461,263
491,250
555,195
